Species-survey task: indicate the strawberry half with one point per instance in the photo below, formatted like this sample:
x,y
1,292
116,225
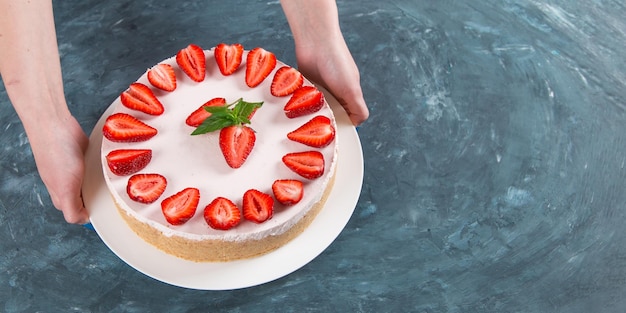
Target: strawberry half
x,y
180,207
257,206
286,80
192,61
141,98
259,64
305,100
236,143
308,164
236,139
162,76
124,162
146,188
121,127
228,57
200,114
317,132
222,214
288,191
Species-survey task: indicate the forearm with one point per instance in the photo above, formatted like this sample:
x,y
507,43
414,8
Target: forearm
x,y
312,22
29,61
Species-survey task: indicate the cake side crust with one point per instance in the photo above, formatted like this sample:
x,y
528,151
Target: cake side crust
x,y
211,250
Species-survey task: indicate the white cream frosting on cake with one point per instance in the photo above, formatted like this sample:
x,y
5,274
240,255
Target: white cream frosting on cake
x,y
196,161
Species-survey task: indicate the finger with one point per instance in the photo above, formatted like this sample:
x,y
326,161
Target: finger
x,y
79,216
357,110
360,116
74,211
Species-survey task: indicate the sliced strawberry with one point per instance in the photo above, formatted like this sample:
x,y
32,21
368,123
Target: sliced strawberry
x,y
192,61
257,206
141,98
236,142
288,191
286,80
180,207
228,57
200,114
222,214
259,64
317,132
121,127
305,100
308,164
162,76
146,188
124,162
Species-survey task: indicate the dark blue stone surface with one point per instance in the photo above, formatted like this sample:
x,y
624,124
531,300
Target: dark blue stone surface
x,y
494,160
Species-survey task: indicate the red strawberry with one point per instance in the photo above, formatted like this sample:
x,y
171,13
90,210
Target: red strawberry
x,y
192,61
305,100
180,207
236,142
141,98
286,80
288,191
121,127
317,132
308,164
162,76
222,214
228,57
259,64
124,162
146,188
257,206
199,115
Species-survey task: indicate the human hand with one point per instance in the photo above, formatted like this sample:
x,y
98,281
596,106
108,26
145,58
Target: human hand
x,y
31,71
59,147
332,66
322,53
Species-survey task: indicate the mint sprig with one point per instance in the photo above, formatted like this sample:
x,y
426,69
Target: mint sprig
x,y
236,113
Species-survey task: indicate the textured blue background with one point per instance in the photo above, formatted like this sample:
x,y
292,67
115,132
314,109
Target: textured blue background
x,y
494,160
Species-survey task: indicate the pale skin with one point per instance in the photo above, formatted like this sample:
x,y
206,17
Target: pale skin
x,y
31,72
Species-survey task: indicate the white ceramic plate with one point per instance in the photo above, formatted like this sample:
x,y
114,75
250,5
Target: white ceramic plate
x,y
235,274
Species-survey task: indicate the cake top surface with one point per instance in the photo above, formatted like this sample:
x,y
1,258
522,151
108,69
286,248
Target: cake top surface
x,y
196,161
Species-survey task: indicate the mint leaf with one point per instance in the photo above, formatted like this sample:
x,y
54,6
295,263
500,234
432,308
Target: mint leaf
x,y
217,109
236,113
245,109
213,124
